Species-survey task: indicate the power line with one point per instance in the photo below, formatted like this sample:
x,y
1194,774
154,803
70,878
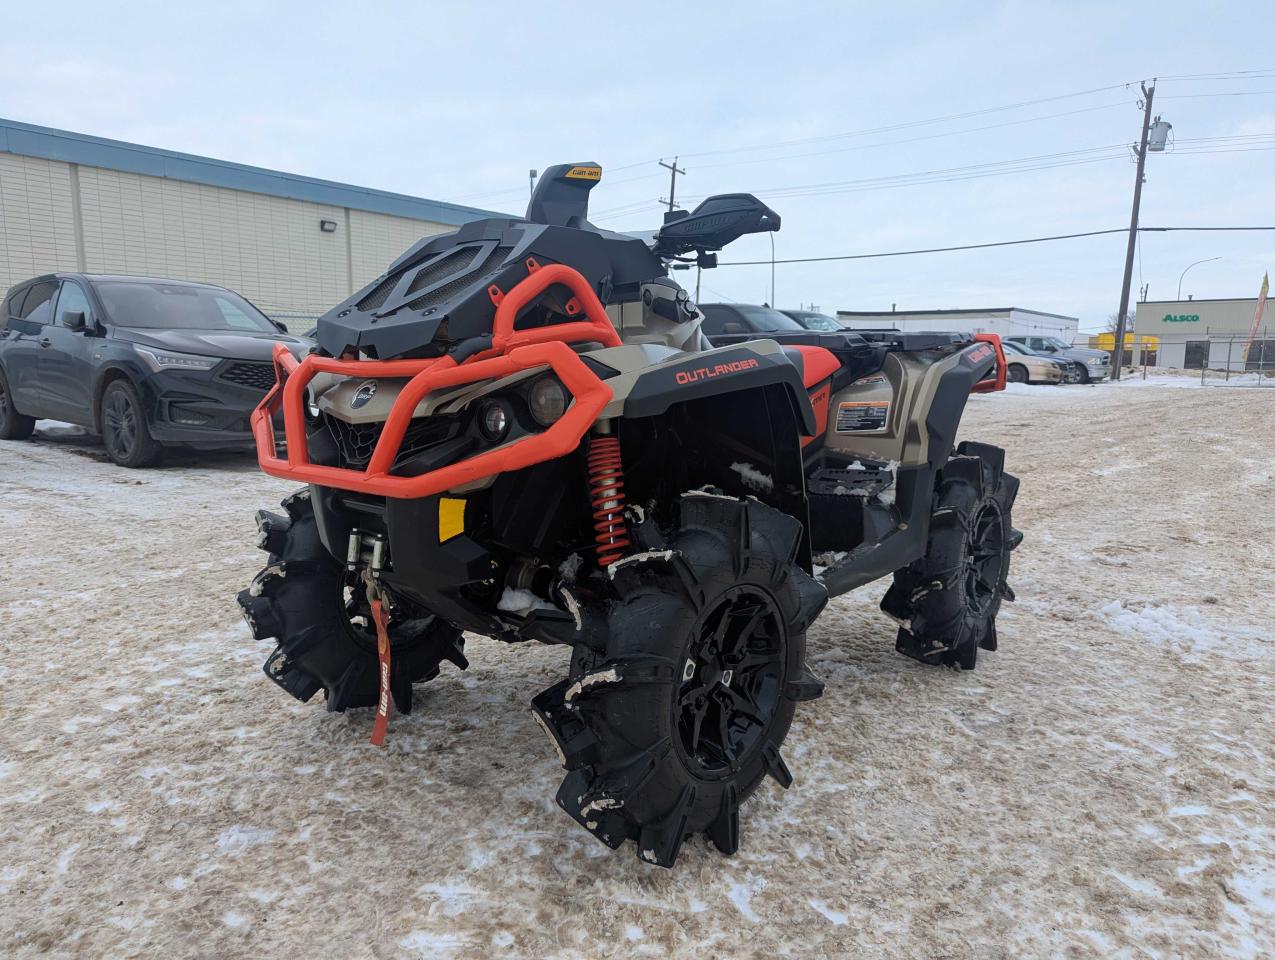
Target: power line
x,y
980,246
928,136
907,125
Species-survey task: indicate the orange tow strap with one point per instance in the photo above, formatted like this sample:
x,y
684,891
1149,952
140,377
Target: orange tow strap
x,y
382,724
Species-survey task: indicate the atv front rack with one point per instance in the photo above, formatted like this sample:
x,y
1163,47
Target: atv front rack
x,y
511,351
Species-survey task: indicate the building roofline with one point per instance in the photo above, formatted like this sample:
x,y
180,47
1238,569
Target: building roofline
x,y
29,140
970,310
1148,303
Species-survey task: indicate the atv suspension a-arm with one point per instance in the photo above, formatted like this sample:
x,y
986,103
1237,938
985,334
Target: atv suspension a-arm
x,y
511,351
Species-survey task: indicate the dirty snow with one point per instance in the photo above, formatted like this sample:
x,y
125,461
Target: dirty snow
x,y
1100,787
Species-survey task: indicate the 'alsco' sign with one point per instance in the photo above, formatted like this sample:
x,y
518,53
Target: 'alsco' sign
x,y
1181,318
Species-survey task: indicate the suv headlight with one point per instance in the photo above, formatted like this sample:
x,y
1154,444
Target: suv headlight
x,y
1097,361
159,360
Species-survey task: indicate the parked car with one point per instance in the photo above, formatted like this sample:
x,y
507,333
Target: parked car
x,y
147,363
1024,366
814,321
1091,364
727,323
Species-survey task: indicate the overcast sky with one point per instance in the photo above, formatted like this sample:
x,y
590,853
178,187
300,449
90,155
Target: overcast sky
x,y
456,101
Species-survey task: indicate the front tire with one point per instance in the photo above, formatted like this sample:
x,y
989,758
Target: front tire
x,y
125,433
947,601
305,600
1082,374
13,425
671,719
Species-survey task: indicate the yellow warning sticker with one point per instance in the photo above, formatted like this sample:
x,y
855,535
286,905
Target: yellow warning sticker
x,y
584,173
451,518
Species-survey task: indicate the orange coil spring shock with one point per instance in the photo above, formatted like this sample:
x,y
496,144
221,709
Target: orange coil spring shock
x,y
606,493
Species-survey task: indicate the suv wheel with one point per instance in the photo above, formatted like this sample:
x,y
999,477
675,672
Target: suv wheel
x,y
13,425
124,431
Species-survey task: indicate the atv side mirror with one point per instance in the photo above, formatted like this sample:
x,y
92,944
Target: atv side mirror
x,y
714,223
73,320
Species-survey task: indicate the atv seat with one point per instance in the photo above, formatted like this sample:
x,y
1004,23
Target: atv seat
x,y
815,363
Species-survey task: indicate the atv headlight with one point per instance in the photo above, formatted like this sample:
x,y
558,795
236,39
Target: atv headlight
x,y
493,420
547,400
159,360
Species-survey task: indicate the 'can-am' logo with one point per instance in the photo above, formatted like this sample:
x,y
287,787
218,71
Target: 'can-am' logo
x,y
365,392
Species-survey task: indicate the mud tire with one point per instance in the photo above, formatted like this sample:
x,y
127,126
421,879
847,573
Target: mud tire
x,y
947,601
300,600
725,593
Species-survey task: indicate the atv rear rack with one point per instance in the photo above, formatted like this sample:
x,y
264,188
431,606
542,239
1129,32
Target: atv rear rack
x,y
511,351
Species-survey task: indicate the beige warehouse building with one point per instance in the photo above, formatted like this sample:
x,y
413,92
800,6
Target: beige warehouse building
x,y
1207,333
293,245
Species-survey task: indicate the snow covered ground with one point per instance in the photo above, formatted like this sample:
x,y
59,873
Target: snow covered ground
x,y
1102,786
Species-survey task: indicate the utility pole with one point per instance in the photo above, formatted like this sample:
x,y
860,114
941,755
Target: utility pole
x,y
673,170
531,187
1148,93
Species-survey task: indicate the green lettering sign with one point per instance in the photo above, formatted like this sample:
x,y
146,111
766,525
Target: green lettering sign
x,y
1181,318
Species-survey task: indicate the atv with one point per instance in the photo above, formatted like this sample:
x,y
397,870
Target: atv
x,y
520,431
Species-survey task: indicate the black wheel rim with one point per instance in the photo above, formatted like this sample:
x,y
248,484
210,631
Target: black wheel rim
x,y
4,403
731,681
985,567
121,425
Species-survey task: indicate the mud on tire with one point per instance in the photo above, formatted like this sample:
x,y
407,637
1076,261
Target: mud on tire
x,y
326,640
947,601
671,720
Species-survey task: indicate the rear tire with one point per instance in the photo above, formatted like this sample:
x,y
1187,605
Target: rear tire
x,y
672,717
326,639
13,425
125,433
947,601
1017,373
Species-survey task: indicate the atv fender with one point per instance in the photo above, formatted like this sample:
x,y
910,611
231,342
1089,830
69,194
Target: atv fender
x,y
716,372
914,485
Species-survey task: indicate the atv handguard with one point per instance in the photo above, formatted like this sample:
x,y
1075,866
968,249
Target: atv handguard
x,y
511,351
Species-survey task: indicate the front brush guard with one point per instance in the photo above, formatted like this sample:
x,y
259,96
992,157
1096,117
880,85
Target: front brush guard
x,y
512,351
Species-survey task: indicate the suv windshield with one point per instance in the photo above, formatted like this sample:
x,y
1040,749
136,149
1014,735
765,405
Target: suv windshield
x,y
1058,344
816,321
764,318
161,306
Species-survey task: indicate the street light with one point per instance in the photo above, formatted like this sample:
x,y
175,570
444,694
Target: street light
x,y
1189,266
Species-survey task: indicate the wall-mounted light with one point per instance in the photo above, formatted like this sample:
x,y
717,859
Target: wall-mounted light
x,y
327,226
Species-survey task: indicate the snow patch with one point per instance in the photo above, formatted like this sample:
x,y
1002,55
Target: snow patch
x,y
1188,631
639,558
239,838
835,917
753,478
741,895
590,680
521,602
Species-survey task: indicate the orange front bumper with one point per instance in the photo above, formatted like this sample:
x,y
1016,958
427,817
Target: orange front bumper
x,y
512,351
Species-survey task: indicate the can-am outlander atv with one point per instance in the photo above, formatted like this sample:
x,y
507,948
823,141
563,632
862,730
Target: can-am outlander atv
x,y
520,431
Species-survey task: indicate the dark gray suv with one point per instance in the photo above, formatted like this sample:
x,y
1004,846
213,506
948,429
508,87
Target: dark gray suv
x,y
145,362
